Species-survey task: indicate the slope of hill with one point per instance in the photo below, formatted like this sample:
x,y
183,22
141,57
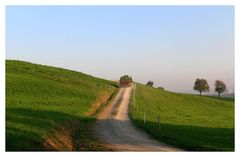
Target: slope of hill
x,y
46,106
188,121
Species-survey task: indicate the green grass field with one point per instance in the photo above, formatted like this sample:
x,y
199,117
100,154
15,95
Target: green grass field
x,y
44,102
187,121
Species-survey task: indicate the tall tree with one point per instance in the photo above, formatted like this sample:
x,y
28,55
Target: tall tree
x,y
220,87
150,83
201,85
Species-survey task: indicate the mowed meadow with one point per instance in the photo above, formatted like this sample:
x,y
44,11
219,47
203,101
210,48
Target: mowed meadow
x,y
188,121
50,108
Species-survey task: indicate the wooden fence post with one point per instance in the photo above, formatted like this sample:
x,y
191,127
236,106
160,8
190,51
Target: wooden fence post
x,y
134,100
144,118
137,108
158,123
159,127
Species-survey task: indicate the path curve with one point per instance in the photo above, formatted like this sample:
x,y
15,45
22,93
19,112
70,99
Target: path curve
x,y
115,130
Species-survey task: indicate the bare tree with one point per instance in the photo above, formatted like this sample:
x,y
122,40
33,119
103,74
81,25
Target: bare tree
x,y
201,85
220,87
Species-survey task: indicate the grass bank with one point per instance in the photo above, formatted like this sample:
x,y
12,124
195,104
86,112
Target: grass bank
x,y
50,108
187,121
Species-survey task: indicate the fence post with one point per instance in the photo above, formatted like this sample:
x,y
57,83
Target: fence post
x,y
134,100
137,108
144,118
158,123
159,127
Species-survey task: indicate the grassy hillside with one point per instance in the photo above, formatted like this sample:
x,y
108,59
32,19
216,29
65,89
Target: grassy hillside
x,y
45,105
188,121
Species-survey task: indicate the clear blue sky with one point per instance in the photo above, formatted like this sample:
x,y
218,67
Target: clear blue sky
x,y
171,45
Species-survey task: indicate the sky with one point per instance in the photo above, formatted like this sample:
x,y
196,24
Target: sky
x,y
170,45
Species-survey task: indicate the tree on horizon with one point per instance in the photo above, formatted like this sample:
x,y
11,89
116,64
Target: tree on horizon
x,y
149,83
201,85
125,80
220,87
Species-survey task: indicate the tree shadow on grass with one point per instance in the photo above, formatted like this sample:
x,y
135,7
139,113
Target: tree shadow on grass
x,y
220,98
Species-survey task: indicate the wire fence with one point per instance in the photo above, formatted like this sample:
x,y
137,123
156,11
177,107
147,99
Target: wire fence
x,y
96,86
143,112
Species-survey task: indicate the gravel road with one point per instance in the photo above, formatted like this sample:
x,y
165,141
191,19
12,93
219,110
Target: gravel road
x,y
115,130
